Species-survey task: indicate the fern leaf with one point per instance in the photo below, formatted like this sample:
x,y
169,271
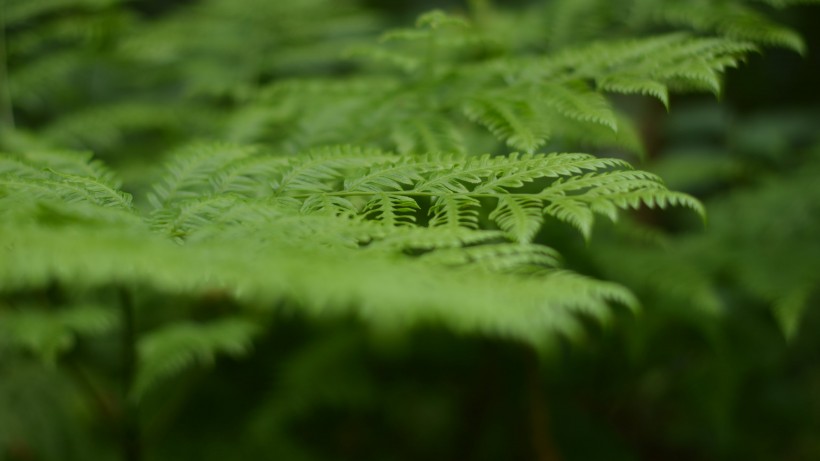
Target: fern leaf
x,y
79,188
789,309
172,349
574,199
352,211
423,238
516,122
627,84
388,176
36,83
733,20
574,212
578,103
392,210
498,257
92,183
455,211
695,74
246,175
516,170
48,334
519,217
642,65
329,204
656,198
437,19
430,133
361,282
324,167
192,171
76,163
184,217
453,179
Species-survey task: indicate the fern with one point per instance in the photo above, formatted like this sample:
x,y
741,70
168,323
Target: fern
x,y
166,352
687,269
50,334
734,20
524,101
189,205
297,181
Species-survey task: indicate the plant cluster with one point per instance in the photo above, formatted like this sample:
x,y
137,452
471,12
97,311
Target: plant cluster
x,y
256,161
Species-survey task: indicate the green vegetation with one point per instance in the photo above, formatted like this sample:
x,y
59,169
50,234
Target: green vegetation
x,y
304,230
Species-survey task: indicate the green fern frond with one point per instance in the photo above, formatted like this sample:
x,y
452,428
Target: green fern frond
x,y
789,309
499,257
75,188
184,217
733,20
437,19
356,189
318,168
600,137
392,210
578,210
76,163
455,211
214,35
627,84
574,212
647,64
577,102
87,182
50,333
605,192
424,238
430,133
328,204
192,171
514,121
455,183
384,195
170,350
597,183
524,101
350,281
106,126
516,170
21,170
440,30
37,83
329,231
245,176
394,175
519,217
452,175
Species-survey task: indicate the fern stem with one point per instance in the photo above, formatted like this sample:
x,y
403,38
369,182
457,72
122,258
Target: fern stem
x,y
97,396
131,443
540,431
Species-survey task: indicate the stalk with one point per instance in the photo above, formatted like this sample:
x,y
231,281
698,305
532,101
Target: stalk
x,y
131,437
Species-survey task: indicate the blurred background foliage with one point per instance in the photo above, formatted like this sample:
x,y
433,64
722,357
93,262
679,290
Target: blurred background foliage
x,y
720,364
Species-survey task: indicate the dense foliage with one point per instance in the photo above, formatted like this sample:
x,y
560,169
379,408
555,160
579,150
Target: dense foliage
x,y
269,229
